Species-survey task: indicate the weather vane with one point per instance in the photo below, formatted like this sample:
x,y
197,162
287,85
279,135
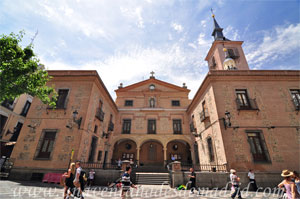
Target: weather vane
x,y
212,12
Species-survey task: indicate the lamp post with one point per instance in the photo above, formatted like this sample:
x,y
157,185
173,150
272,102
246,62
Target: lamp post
x,y
226,120
75,120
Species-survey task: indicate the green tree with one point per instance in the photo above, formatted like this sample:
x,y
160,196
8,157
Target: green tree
x,y
21,71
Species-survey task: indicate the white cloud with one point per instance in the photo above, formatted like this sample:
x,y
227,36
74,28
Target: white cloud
x,y
231,33
203,23
276,44
135,14
177,27
169,64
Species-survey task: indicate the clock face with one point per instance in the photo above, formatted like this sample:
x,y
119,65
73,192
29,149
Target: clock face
x,y
151,87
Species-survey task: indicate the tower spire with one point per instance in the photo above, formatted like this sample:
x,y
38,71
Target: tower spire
x,y
218,31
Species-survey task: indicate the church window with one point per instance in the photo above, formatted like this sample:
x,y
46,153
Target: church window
x,y
175,103
46,144
296,98
126,126
258,146
128,102
151,126
61,102
210,150
242,97
177,127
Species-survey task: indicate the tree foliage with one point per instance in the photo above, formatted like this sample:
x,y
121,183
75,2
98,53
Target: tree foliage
x,y
21,71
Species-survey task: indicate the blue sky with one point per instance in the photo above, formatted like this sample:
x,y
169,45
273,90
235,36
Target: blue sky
x,y
124,40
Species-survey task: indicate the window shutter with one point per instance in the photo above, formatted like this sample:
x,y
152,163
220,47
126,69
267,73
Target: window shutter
x,y
66,103
264,147
238,104
236,53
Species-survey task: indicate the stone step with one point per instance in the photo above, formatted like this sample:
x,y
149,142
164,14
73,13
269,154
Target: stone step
x,y
152,178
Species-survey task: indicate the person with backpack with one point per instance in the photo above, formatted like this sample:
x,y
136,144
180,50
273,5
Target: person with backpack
x,y
78,180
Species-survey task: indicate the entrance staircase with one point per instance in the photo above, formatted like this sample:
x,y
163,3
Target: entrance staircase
x,y
152,178
152,175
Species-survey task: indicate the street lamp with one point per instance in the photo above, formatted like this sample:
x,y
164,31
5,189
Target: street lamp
x,y
75,120
226,120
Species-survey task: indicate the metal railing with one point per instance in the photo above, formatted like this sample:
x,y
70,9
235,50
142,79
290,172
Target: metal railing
x,y
98,165
204,114
250,105
100,114
204,167
111,126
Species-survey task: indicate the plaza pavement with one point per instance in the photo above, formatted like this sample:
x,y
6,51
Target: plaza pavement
x,y
31,190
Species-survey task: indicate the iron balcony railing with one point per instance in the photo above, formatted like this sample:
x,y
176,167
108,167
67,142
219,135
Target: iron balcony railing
x,y
192,128
250,105
98,165
100,114
204,114
204,167
111,126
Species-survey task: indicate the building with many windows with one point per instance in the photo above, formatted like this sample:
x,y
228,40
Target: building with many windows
x,y
239,118
12,118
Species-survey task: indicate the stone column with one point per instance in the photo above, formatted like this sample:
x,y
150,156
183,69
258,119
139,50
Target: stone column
x,y
165,156
138,156
125,163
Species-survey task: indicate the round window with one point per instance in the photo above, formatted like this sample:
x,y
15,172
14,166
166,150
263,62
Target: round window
x,y
128,146
175,147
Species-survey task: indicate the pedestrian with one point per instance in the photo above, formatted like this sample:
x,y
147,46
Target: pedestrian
x,y
91,178
235,181
252,180
126,182
192,177
119,162
131,162
78,182
289,185
69,181
297,180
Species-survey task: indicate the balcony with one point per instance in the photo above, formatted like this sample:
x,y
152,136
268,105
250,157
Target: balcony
x,y
100,114
204,115
111,126
250,105
192,128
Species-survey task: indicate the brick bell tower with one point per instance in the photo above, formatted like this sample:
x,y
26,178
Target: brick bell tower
x,y
225,54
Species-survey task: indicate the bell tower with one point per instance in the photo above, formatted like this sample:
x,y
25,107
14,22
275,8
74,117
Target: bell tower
x,y
225,54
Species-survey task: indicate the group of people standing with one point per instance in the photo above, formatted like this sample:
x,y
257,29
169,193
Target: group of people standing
x,y
290,185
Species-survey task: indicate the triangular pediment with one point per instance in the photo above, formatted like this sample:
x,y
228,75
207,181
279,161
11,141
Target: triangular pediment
x,y
159,86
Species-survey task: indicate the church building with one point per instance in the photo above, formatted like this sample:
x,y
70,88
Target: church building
x,y
239,118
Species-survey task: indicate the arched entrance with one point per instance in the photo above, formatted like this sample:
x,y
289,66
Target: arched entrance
x,y
180,150
151,154
124,149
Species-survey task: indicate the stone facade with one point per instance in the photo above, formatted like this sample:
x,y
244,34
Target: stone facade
x,y
13,115
86,90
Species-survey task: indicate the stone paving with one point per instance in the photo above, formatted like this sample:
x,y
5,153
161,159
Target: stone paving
x,y
31,190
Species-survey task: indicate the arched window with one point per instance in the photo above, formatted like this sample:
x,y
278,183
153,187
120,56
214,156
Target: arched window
x,y
210,150
152,102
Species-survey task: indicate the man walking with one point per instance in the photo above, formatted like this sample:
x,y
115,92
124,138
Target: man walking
x,y
252,180
77,180
126,182
192,180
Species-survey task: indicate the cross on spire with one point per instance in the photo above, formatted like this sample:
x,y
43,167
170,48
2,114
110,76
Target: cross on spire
x,y
152,74
212,12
